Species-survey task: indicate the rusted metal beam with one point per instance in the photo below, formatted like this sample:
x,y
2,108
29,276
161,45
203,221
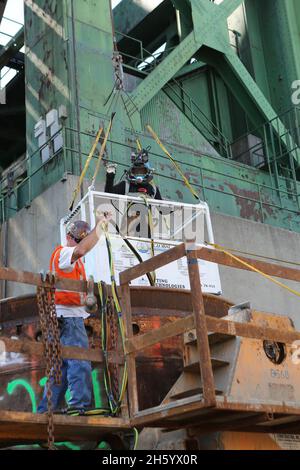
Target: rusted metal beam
x,y
130,358
25,277
33,279
249,330
187,412
33,348
140,342
175,410
152,264
260,407
276,270
204,357
246,330
29,427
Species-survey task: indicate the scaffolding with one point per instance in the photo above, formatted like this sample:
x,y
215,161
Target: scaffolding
x,y
202,407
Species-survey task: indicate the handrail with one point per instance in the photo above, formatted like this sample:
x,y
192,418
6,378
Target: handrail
x,y
262,187
219,135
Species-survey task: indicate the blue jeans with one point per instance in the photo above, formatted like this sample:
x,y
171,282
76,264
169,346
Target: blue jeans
x,y
76,374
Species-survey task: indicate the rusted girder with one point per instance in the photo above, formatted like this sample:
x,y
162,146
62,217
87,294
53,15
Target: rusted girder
x,y
34,348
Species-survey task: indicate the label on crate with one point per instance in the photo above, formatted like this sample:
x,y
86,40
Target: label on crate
x,y
287,441
174,275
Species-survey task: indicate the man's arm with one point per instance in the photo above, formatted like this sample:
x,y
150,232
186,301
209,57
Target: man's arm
x,y
88,243
158,195
109,183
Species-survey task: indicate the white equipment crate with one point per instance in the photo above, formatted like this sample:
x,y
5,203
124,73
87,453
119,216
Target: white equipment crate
x,y
173,223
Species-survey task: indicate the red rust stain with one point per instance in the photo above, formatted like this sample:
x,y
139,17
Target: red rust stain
x,y
249,208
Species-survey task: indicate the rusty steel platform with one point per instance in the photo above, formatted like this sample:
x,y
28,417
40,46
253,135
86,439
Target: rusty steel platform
x,y
21,428
227,380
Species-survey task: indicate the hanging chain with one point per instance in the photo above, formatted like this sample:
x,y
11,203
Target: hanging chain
x,y
52,346
113,328
117,61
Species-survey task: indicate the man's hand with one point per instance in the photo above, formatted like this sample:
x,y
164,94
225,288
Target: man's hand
x,y
92,238
111,168
103,218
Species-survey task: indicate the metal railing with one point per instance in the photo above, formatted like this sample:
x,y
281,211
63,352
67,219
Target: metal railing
x,y
265,197
198,118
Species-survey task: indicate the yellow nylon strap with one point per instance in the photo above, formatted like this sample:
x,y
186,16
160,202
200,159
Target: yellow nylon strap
x,y
270,278
175,164
102,150
138,144
87,163
119,310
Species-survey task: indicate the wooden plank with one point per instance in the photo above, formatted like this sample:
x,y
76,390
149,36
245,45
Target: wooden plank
x,y
247,330
276,270
34,348
152,264
130,358
201,329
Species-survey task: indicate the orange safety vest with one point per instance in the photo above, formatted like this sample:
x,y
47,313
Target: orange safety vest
x,y
78,273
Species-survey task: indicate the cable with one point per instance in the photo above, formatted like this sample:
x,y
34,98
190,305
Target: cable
x,y
244,263
136,438
103,146
175,164
247,253
133,250
114,405
91,154
150,226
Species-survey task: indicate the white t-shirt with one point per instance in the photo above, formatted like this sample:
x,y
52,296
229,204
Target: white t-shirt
x,y
66,265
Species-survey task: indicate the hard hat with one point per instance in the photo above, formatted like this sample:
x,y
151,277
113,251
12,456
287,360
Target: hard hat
x,y
78,230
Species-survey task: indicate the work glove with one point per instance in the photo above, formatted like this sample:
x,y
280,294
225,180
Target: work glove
x,y
111,168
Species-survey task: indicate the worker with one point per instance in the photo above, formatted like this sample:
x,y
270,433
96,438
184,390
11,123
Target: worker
x,y
66,263
138,182
138,178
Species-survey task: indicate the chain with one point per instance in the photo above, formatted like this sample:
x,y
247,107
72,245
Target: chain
x,y
52,346
113,327
119,73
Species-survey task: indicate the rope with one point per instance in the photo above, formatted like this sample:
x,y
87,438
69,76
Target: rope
x,y
173,161
136,438
151,227
103,146
133,250
87,163
244,263
270,258
114,405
